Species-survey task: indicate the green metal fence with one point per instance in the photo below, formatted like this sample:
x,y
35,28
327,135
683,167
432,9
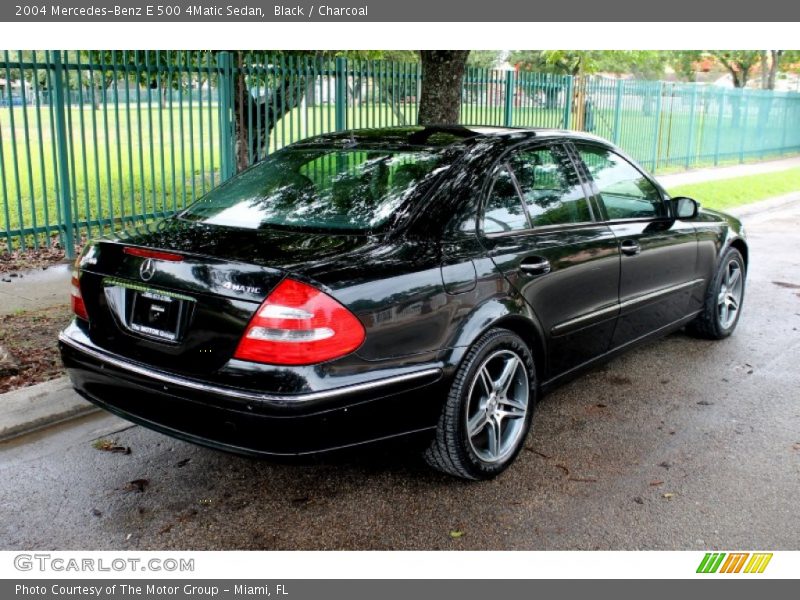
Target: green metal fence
x,y
92,141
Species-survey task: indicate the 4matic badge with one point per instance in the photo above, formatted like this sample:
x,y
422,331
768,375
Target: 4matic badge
x,y
237,287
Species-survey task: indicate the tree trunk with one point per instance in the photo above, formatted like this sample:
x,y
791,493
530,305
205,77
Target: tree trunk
x,y
311,92
551,93
773,68
442,75
262,114
242,109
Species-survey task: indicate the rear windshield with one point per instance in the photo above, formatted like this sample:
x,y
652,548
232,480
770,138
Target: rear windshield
x,y
319,189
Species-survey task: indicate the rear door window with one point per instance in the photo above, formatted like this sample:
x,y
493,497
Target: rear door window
x,y
503,211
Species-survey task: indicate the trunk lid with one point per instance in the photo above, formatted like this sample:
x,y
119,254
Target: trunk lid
x,y
187,313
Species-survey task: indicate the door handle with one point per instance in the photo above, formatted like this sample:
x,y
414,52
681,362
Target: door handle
x,y
535,265
630,247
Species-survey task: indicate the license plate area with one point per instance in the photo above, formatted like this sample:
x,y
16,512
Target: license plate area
x,y
156,315
151,313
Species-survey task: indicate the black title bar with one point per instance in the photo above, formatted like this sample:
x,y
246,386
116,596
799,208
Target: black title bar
x,y
400,11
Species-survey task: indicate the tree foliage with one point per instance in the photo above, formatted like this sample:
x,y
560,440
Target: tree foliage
x,y
643,64
738,63
485,59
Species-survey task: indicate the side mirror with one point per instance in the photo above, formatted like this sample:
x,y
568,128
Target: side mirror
x,y
685,208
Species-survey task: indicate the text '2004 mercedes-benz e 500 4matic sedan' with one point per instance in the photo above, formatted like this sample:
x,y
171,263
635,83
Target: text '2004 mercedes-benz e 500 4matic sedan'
x,y
367,285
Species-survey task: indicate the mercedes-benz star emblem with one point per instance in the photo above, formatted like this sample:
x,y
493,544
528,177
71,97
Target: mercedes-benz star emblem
x,y
147,269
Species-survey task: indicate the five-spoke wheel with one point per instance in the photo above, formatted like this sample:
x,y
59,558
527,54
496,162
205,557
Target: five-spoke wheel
x,y
730,293
723,302
498,405
488,410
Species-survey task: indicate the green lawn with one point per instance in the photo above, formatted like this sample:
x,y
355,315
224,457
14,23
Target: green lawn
x,y
728,193
124,161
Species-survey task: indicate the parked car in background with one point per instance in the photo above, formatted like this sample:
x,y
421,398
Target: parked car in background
x,y
365,285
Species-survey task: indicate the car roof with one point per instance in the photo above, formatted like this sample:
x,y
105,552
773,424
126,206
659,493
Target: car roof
x,y
438,136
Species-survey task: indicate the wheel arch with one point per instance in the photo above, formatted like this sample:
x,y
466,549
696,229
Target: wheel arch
x,y
501,313
531,334
740,245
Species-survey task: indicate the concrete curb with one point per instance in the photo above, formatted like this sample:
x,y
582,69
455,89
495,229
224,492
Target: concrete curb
x,y
35,407
764,206
705,174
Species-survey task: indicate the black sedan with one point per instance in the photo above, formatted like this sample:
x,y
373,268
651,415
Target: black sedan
x,y
368,285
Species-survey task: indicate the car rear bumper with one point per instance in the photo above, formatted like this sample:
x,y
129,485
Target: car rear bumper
x,y
248,421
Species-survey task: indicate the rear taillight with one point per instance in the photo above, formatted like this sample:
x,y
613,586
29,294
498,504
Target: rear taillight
x,y
299,325
76,299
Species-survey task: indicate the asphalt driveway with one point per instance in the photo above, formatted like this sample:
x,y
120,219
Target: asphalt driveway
x,y
680,444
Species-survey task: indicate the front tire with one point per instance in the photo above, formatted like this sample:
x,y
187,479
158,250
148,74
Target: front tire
x,y
723,303
489,408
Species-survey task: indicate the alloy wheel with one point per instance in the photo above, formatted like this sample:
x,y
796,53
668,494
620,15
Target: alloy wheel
x,y
729,298
497,406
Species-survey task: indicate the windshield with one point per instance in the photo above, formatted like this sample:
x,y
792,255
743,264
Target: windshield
x,y
319,188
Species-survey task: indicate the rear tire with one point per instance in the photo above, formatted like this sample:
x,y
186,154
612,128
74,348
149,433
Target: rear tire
x,y
488,411
723,303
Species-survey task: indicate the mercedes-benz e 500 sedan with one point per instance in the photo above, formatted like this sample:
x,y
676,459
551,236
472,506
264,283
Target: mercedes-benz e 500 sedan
x,y
373,284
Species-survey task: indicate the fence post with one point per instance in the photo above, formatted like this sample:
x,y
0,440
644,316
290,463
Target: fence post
x,y
690,141
341,94
720,116
568,101
510,88
618,113
744,117
785,126
62,156
657,129
226,124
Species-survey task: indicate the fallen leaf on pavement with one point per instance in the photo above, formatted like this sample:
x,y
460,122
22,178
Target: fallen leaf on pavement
x,y
137,485
455,534
668,495
110,446
542,454
187,516
656,482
